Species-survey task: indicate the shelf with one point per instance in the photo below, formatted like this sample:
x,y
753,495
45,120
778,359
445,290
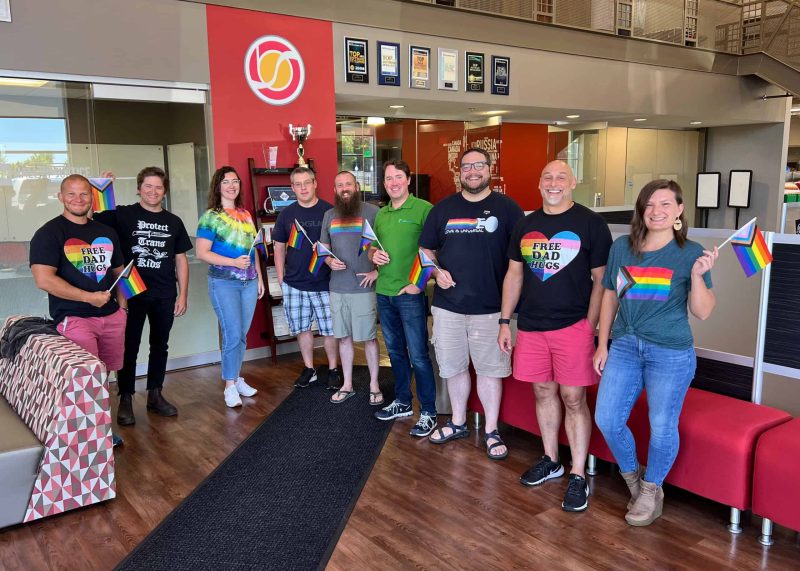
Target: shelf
x,y
264,172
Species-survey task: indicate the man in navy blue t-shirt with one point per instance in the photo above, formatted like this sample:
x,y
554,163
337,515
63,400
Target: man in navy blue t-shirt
x,y
305,294
468,235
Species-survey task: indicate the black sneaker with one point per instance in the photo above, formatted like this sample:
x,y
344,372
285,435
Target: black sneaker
x,y
424,426
394,410
307,377
545,469
577,497
334,379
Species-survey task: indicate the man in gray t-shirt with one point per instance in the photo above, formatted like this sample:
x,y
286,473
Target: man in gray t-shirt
x,y
352,289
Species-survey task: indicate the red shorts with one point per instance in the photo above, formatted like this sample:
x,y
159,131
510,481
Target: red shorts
x,y
564,356
103,337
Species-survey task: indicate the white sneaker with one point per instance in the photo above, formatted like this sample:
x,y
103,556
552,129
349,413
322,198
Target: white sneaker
x,y
232,397
244,389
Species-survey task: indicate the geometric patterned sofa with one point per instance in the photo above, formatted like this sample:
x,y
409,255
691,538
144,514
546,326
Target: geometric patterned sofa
x,y
61,393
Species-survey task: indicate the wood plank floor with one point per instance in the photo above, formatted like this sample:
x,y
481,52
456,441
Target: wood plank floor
x,y
424,506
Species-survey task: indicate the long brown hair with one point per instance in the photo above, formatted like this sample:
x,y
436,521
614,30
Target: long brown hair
x,y
638,227
214,192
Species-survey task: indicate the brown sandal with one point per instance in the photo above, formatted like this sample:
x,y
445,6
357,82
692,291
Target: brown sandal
x,y
377,401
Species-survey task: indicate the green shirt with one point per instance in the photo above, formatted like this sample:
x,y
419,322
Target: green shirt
x,y
398,229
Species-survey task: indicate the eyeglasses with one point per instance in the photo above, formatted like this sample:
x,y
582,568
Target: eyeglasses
x,y
226,181
303,184
466,167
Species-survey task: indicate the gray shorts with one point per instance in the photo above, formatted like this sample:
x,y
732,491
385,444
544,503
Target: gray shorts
x,y
354,315
458,338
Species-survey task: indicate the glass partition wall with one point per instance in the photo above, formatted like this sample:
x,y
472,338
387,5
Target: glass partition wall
x,y
49,129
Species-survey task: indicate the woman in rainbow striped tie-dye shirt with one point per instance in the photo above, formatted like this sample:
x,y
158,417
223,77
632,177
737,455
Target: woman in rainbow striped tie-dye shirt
x,y
652,276
225,236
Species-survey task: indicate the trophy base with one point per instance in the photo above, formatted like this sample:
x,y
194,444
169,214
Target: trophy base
x,y
307,163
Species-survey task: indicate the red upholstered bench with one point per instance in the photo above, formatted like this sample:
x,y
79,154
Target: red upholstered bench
x,y
718,444
776,495
718,440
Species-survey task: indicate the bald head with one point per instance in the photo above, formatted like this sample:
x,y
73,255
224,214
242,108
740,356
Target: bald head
x,y
556,185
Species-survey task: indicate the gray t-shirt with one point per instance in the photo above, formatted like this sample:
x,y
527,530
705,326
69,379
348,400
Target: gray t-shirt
x,y
343,235
653,290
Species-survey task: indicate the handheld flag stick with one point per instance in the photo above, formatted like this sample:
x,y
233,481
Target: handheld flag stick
x,y
736,232
121,275
303,230
328,251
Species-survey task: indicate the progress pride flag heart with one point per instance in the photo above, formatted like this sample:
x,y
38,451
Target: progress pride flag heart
x,y
546,257
92,260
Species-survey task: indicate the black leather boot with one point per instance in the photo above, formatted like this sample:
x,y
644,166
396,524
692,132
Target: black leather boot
x,y
159,404
125,411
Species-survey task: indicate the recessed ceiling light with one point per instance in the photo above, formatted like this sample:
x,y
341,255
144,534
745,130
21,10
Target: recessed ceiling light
x,y
498,112
376,121
795,109
695,122
640,119
573,116
397,106
20,82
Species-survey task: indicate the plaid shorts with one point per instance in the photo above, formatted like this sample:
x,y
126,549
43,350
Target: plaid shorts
x,y
303,306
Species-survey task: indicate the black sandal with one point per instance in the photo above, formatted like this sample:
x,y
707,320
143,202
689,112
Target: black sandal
x,y
494,434
459,431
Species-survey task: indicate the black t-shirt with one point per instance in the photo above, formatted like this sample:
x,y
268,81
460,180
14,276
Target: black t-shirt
x,y
558,253
296,273
152,239
83,255
471,241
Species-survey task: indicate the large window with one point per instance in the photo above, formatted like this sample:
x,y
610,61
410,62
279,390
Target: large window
x,y
49,129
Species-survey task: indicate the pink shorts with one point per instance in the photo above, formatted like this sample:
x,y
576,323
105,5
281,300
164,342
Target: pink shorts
x,y
103,337
564,356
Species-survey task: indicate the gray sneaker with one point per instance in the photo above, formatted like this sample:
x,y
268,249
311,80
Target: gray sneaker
x,y
425,425
394,410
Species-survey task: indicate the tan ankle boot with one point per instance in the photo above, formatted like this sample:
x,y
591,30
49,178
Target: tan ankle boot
x,y
633,479
648,505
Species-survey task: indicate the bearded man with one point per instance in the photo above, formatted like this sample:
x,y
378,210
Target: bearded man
x,y
352,289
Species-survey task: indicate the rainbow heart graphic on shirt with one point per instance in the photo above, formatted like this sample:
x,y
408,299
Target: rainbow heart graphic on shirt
x,y
546,257
92,260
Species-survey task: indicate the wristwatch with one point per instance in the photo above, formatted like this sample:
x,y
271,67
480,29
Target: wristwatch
x,y
503,321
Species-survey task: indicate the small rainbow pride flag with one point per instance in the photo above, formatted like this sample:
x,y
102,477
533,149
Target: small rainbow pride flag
x,y
102,194
261,241
751,249
421,270
367,237
318,256
130,282
296,236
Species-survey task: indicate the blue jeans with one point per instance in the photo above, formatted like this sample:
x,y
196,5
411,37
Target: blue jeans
x,y
634,364
404,322
234,302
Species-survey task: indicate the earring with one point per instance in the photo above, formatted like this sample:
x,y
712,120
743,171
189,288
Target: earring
x,y
677,225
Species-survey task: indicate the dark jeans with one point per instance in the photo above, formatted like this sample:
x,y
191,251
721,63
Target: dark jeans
x,y
404,322
160,313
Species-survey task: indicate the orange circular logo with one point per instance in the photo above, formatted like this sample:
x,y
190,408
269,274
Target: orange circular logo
x,y
274,70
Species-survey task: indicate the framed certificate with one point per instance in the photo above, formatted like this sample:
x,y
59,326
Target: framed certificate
x,y
448,69
356,54
473,72
388,63
501,72
419,67
708,190
739,185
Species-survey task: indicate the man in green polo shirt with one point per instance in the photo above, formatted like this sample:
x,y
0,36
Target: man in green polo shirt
x,y
402,306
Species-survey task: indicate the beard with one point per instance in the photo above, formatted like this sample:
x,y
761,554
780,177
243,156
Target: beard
x,y
348,208
477,190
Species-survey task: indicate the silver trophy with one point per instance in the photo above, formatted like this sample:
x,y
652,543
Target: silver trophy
x,y
300,134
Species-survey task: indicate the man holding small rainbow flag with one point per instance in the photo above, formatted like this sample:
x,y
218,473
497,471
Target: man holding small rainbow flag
x,y
154,243
303,277
402,305
75,260
352,291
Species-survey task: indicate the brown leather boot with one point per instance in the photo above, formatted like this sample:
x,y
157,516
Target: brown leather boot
x,y
159,404
125,411
648,505
633,479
